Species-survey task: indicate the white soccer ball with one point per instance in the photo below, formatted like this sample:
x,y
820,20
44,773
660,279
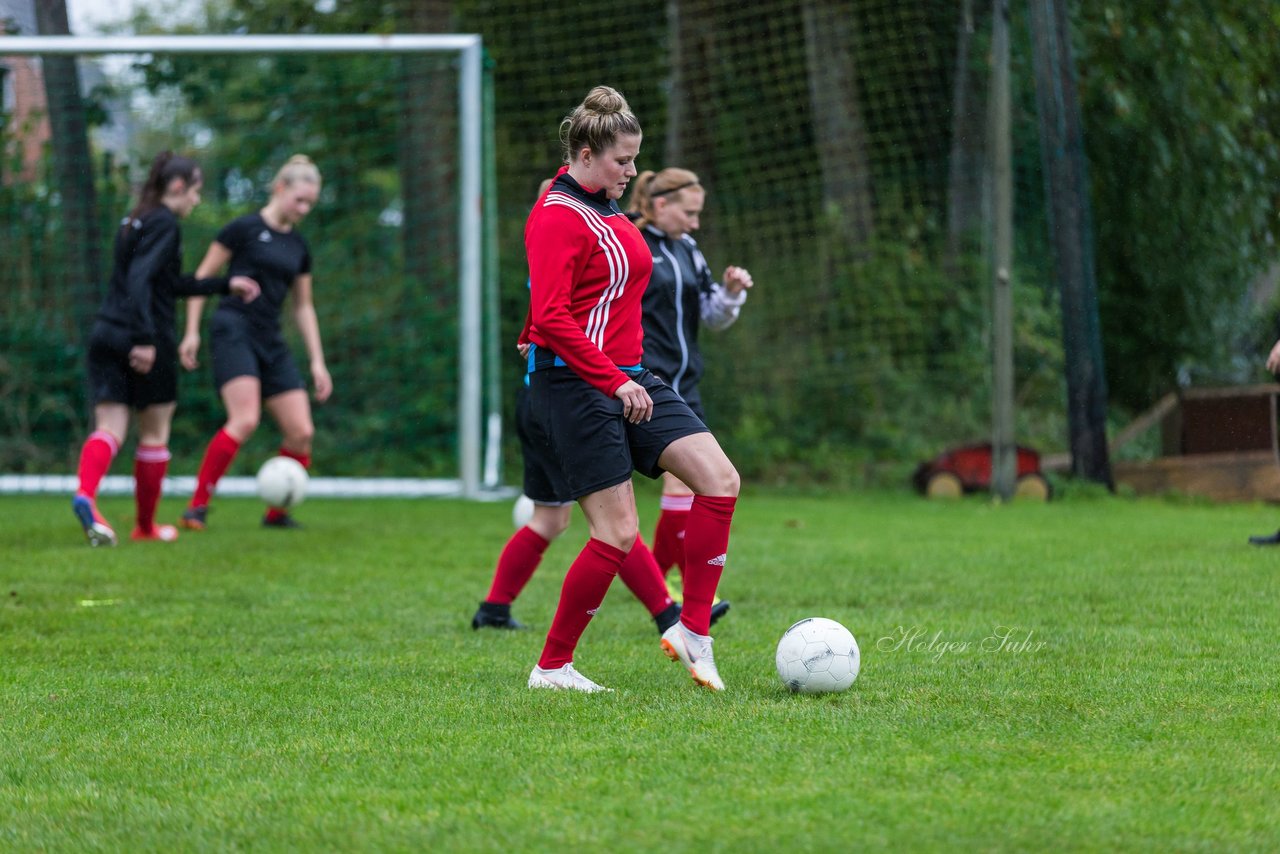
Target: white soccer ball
x,y
522,511
282,482
816,656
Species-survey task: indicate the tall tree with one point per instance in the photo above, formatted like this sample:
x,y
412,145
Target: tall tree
x,y
426,148
692,47
965,178
72,164
1071,236
1182,102
840,133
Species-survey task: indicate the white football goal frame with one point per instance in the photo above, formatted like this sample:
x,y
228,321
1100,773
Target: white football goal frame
x,y
478,466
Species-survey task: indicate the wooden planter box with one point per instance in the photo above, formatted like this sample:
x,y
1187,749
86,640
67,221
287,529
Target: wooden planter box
x,y
1220,443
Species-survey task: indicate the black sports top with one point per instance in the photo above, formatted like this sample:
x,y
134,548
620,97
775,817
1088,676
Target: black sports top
x,y
146,279
273,258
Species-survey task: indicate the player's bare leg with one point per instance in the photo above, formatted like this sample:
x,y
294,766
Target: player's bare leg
x,y
242,397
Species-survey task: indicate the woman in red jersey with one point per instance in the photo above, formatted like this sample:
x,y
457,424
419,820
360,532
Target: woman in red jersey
x,y
546,489
603,413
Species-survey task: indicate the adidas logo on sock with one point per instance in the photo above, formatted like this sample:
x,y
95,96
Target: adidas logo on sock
x,y
718,561
592,611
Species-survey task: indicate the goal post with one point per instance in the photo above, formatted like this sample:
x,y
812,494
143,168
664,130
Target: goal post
x,y
478,472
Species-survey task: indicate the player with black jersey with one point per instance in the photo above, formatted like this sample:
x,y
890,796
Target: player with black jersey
x,y
252,365
682,296
133,350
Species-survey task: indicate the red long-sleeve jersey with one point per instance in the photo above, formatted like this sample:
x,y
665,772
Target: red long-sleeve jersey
x,y
588,267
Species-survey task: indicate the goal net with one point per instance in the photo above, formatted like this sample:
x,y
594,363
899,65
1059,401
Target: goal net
x,y
844,147
396,126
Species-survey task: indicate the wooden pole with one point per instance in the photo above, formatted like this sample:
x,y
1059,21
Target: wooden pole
x,y
1003,446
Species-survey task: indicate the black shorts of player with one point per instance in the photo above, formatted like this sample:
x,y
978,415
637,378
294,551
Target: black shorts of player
x,y
595,446
240,350
691,396
111,380
543,481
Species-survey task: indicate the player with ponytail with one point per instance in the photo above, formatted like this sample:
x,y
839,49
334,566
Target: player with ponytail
x,y
682,297
133,350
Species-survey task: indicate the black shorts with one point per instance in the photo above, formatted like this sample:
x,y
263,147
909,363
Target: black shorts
x,y
240,350
595,446
543,480
691,396
111,380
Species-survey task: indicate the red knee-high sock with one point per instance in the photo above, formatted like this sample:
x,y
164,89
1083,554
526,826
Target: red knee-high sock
x,y
706,545
149,466
668,537
95,458
584,588
643,578
274,513
516,565
304,458
222,449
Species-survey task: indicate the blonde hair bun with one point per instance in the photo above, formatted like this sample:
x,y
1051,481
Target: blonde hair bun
x,y
298,168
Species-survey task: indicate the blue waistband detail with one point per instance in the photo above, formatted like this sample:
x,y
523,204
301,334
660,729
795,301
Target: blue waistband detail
x,y
557,362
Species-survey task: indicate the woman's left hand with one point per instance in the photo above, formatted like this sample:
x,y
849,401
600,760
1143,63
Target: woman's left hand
x,y
323,382
142,358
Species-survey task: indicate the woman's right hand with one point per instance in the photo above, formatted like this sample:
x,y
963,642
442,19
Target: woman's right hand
x,y
1273,359
188,350
637,406
245,288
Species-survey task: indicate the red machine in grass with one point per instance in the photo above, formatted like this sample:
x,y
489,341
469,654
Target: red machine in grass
x,y
968,469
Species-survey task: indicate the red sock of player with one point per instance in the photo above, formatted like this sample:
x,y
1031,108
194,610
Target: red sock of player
x,y
643,578
95,458
274,514
222,449
516,565
668,537
584,588
706,544
149,466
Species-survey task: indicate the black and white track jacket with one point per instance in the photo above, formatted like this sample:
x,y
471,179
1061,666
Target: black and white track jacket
x,y
681,296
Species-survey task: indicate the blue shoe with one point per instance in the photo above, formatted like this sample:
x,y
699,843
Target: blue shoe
x,y
95,527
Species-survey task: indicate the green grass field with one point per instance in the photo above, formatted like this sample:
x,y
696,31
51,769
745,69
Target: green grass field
x,y
322,690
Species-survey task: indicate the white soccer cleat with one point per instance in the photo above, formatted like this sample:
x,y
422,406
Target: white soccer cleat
x,y
694,652
158,533
563,677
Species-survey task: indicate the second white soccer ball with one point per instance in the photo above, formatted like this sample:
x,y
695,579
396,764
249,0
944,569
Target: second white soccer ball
x,y
282,482
817,655
522,511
